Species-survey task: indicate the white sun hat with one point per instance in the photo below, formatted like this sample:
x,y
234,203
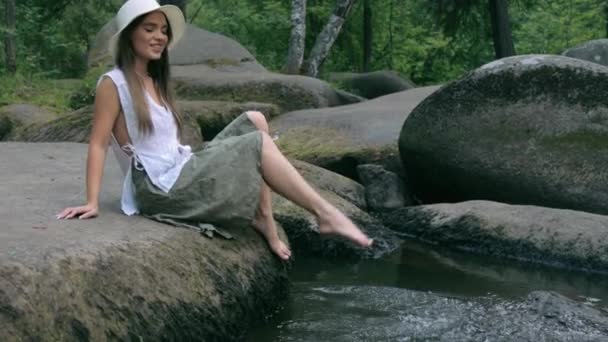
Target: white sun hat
x,y
134,8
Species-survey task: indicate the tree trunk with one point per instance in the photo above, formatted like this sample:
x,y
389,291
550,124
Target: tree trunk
x,y
295,55
10,47
367,35
501,28
327,37
605,8
179,3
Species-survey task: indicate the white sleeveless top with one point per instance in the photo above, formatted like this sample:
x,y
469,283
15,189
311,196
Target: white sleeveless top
x,y
159,153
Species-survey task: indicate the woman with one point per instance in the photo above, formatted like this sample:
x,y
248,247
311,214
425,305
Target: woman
x,y
225,184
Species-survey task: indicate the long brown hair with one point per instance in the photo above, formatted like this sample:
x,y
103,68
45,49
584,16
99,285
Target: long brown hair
x,y
157,69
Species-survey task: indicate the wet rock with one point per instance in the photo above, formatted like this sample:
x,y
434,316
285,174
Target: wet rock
x,y
384,190
595,51
366,313
326,180
303,230
372,84
521,130
559,238
341,138
117,277
567,312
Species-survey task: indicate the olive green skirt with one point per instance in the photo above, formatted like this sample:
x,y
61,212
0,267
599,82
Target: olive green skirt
x,y
219,187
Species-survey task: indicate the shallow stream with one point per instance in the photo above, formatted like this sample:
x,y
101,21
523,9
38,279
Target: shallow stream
x,y
421,293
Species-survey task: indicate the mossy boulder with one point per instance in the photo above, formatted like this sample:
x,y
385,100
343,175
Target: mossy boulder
x,y
289,92
117,277
371,85
554,237
201,119
14,117
522,130
213,116
595,51
198,46
343,137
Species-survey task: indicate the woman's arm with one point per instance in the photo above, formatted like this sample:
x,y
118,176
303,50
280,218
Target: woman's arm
x,y
107,108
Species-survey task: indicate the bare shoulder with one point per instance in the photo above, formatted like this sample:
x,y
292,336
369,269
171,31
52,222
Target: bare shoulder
x,y
106,97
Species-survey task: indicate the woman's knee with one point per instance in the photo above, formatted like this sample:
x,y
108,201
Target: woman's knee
x,y
258,119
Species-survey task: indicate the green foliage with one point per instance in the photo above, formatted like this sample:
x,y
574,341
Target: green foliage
x,y
427,41
551,26
84,94
53,37
47,93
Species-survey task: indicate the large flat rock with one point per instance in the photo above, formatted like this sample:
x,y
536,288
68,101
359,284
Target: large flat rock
x,y
116,277
339,138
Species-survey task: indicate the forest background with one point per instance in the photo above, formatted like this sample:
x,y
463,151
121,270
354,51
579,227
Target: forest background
x,y
426,41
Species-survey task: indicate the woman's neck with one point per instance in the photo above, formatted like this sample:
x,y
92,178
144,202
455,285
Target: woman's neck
x,y
141,67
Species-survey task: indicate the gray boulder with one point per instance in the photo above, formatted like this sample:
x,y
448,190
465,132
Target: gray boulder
x,y
347,195
202,119
14,117
595,51
372,84
341,138
525,130
289,92
555,237
117,277
377,313
76,127
384,190
210,117
198,46
209,66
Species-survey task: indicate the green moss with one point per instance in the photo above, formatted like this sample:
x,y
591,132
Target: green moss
x,y
587,139
50,94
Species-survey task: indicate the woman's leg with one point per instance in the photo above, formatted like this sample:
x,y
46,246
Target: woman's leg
x,y
283,178
264,221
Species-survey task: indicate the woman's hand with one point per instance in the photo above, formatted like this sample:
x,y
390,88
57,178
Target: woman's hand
x,y
82,212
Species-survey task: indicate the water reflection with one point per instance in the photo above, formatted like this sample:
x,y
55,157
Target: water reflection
x,y
422,267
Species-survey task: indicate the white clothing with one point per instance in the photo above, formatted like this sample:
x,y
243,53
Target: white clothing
x,y
159,153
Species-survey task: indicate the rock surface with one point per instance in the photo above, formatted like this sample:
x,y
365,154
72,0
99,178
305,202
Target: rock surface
x,y
198,46
76,127
15,116
595,51
347,195
289,92
202,119
342,137
384,190
555,237
208,66
523,130
117,277
372,84
373,313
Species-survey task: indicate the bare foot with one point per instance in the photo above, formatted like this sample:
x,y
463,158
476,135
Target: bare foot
x,y
267,227
336,223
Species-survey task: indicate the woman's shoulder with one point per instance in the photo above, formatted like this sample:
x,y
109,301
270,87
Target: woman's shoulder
x,y
115,75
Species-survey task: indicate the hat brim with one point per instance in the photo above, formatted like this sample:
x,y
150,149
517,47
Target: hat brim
x,y
176,20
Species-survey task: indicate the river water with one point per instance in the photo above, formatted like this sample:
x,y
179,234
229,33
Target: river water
x,y
422,287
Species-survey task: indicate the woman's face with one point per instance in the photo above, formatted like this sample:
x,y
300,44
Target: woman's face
x,y
150,37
